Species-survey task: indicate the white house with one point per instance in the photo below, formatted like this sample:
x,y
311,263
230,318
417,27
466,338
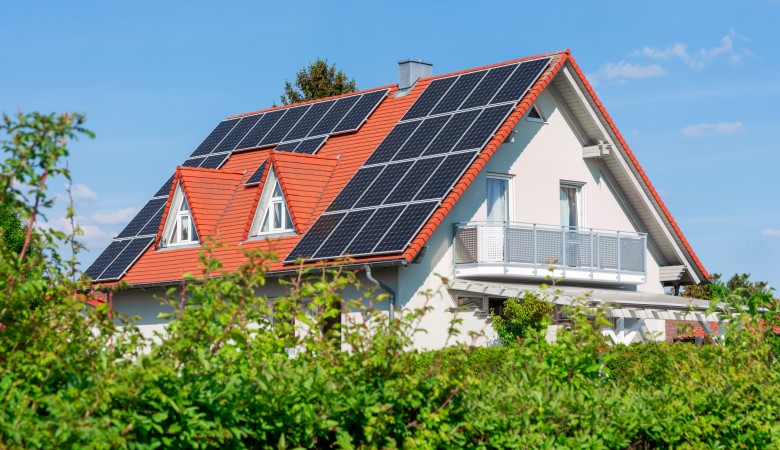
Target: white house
x,y
473,185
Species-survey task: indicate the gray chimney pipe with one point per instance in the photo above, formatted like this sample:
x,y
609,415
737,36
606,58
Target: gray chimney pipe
x,y
411,70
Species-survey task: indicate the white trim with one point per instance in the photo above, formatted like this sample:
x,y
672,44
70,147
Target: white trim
x,y
265,207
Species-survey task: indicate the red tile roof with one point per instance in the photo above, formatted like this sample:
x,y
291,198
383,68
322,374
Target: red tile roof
x,y
224,207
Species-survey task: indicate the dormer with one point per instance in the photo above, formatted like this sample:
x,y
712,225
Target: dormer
x,y
179,229
272,217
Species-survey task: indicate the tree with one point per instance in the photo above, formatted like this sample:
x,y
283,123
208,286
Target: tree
x,y
317,80
739,284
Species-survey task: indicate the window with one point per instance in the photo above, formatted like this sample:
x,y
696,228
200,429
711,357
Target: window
x,y
534,114
179,227
272,215
498,201
571,205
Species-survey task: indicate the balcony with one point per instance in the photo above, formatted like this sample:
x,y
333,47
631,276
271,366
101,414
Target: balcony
x,y
518,250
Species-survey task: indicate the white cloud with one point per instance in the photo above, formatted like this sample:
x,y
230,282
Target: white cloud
x,y
770,233
622,71
704,56
82,194
709,129
94,237
120,216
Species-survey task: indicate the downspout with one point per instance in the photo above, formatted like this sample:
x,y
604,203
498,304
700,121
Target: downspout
x,y
387,288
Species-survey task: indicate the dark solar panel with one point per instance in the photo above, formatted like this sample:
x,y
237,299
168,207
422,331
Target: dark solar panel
x,y
484,127
334,116
383,184
257,175
311,145
422,137
394,141
193,162
452,132
336,244
215,137
285,124
128,256
355,188
252,139
154,223
105,258
414,180
309,243
517,85
427,101
142,217
165,189
382,220
445,176
459,91
239,132
407,225
287,146
488,87
309,120
360,112
215,161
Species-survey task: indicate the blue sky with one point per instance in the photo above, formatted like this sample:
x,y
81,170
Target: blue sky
x,y
694,88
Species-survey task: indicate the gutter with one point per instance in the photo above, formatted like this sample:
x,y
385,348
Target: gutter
x,y
387,288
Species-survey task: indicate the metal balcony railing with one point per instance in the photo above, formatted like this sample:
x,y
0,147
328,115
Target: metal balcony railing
x,y
544,246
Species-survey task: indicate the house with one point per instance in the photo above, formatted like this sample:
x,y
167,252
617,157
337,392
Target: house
x,y
494,178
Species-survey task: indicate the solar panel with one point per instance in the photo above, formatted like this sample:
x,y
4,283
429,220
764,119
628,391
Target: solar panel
x,y
484,127
142,217
321,229
253,138
456,136
429,98
237,134
334,115
287,146
126,258
414,180
452,132
355,188
215,137
407,225
165,189
153,225
193,162
311,145
488,87
284,125
382,220
440,183
360,112
309,120
459,91
335,245
256,176
421,138
516,86
99,265
214,161
383,184
393,142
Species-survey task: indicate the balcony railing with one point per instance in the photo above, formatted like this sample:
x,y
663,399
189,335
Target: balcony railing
x,y
531,250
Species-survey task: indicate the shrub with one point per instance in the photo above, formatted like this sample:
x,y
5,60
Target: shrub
x,y
518,318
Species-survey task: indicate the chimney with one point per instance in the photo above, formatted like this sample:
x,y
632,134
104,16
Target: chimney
x,y
411,70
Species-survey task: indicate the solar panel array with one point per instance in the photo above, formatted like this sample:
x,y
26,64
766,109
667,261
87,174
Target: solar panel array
x,y
301,129
406,177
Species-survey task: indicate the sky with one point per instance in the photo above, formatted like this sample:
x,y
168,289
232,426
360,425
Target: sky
x,y
693,86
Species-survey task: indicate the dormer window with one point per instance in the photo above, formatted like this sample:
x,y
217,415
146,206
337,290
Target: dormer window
x,y
179,227
273,215
534,114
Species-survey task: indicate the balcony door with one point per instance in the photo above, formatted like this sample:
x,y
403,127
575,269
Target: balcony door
x,y
498,216
571,222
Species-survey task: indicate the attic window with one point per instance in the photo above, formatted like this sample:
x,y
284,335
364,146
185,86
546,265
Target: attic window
x,y
179,228
273,215
534,115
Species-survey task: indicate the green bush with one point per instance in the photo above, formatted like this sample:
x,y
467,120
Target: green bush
x,y
519,319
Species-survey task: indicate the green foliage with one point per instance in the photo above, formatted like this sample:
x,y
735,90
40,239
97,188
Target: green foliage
x,y
716,289
317,80
313,370
521,318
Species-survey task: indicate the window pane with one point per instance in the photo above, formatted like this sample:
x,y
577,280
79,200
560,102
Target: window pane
x,y
277,215
175,233
185,228
497,199
569,207
184,206
266,222
277,190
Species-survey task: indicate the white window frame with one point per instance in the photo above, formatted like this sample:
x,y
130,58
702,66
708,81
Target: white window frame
x,y
176,217
266,207
542,118
580,198
510,179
